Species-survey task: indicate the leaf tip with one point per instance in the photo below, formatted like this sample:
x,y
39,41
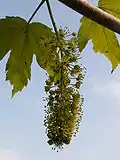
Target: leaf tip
x,y
112,71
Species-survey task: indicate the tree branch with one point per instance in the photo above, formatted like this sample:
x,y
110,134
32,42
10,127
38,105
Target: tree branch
x,y
94,13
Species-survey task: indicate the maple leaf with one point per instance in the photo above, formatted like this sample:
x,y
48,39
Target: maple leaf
x,y
104,40
22,40
111,6
84,33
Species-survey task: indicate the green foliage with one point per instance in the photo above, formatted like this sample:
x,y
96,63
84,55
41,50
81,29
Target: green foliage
x,y
104,40
22,40
58,54
63,111
58,58
110,6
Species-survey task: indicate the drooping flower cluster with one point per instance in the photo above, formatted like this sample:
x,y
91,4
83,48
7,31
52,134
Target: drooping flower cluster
x,y
63,111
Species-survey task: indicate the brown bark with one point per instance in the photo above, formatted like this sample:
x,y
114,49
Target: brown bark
x,y
94,13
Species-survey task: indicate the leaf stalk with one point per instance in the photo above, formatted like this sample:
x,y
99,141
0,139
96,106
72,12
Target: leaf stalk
x,y
36,10
52,19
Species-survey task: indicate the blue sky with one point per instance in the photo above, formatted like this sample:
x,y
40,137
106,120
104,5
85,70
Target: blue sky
x,y
22,134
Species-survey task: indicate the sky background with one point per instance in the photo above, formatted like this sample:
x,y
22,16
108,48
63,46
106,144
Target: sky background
x,y
22,134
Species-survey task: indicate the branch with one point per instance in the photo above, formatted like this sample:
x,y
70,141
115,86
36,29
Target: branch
x,y
94,13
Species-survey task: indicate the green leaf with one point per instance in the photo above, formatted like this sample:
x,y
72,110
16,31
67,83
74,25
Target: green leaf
x,y
84,33
111,6
40,35
22,40
104,40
